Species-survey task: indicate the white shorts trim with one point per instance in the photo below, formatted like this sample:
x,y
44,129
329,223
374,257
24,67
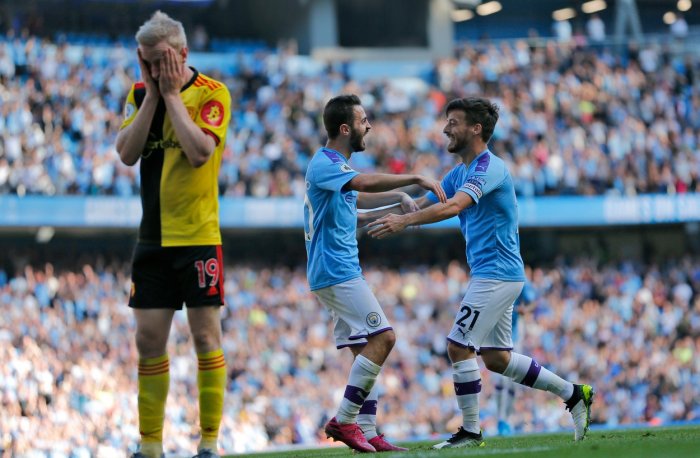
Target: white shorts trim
x,y
484,318
355,311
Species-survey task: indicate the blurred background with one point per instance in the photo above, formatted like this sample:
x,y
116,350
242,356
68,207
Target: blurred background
x,y
600,126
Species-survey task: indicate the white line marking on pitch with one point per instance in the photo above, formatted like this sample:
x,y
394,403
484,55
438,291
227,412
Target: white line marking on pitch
x,y
496,451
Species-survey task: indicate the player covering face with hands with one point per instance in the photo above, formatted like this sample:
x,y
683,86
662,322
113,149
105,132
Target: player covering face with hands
x,y
480,193
334,192
175,125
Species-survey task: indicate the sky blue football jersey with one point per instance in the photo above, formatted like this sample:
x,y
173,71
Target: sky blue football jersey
x,y
490,227
330,221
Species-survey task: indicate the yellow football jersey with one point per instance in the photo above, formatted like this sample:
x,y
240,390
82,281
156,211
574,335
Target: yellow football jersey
x,y
180,202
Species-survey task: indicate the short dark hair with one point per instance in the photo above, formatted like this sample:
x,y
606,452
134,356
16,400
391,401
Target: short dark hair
x,y
338,111
477,110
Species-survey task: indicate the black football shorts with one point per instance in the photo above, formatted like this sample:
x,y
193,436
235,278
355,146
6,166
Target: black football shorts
x,y
168,277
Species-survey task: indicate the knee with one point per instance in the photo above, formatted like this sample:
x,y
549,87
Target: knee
x,y
151,343
496,361
206,341
388,339
457,353
382,343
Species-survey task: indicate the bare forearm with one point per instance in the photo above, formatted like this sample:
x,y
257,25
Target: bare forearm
x,y
380,182
365,218
432,214
196,145
132,139
379,199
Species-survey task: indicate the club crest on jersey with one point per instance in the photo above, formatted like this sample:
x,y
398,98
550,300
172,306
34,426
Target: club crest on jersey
x,y
213,113
346,168
373,319
129,110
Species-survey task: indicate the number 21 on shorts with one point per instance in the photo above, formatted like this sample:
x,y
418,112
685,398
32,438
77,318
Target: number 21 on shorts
x,y
467,313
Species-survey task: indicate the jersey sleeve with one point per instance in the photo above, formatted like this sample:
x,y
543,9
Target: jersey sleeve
x,y
447,186
482,180
332,174
130,107
215,113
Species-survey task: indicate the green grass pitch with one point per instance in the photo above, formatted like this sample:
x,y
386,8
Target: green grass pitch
x,y
629,443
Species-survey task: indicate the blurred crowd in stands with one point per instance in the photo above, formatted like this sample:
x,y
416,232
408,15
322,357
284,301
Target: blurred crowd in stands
x,y
68,362
574,119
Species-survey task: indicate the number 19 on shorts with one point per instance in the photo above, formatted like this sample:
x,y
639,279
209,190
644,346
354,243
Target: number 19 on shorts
x,y
210,268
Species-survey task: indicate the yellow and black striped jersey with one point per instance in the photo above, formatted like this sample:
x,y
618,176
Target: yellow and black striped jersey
x,y
180,202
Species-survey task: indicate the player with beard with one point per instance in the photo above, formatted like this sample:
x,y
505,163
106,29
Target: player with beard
x,y
481,194
334,192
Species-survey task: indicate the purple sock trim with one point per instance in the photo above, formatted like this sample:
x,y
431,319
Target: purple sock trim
x,y
472,387
532,373
369,408
355,394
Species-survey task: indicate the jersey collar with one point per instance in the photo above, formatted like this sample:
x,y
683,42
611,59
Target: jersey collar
x,y
486,151
195,74
331,150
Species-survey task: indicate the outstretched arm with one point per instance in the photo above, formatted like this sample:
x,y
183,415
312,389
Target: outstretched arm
x,y
381,182
384,199
364,218
424,202
368,200
392,224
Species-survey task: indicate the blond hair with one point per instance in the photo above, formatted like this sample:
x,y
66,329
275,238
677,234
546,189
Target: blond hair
x,y
162,27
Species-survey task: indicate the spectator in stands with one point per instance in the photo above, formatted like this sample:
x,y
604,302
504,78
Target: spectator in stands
x,y
621,120
60,319
595,27
679,27
563,31
175,123
200,38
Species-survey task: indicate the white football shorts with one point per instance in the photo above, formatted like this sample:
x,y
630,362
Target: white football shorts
x,y
484,318
355,311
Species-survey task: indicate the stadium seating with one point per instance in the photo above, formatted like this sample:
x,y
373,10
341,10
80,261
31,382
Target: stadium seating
x,y
573,120
67,354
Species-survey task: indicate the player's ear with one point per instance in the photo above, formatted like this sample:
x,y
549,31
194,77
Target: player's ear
x,y
183,53
344,129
